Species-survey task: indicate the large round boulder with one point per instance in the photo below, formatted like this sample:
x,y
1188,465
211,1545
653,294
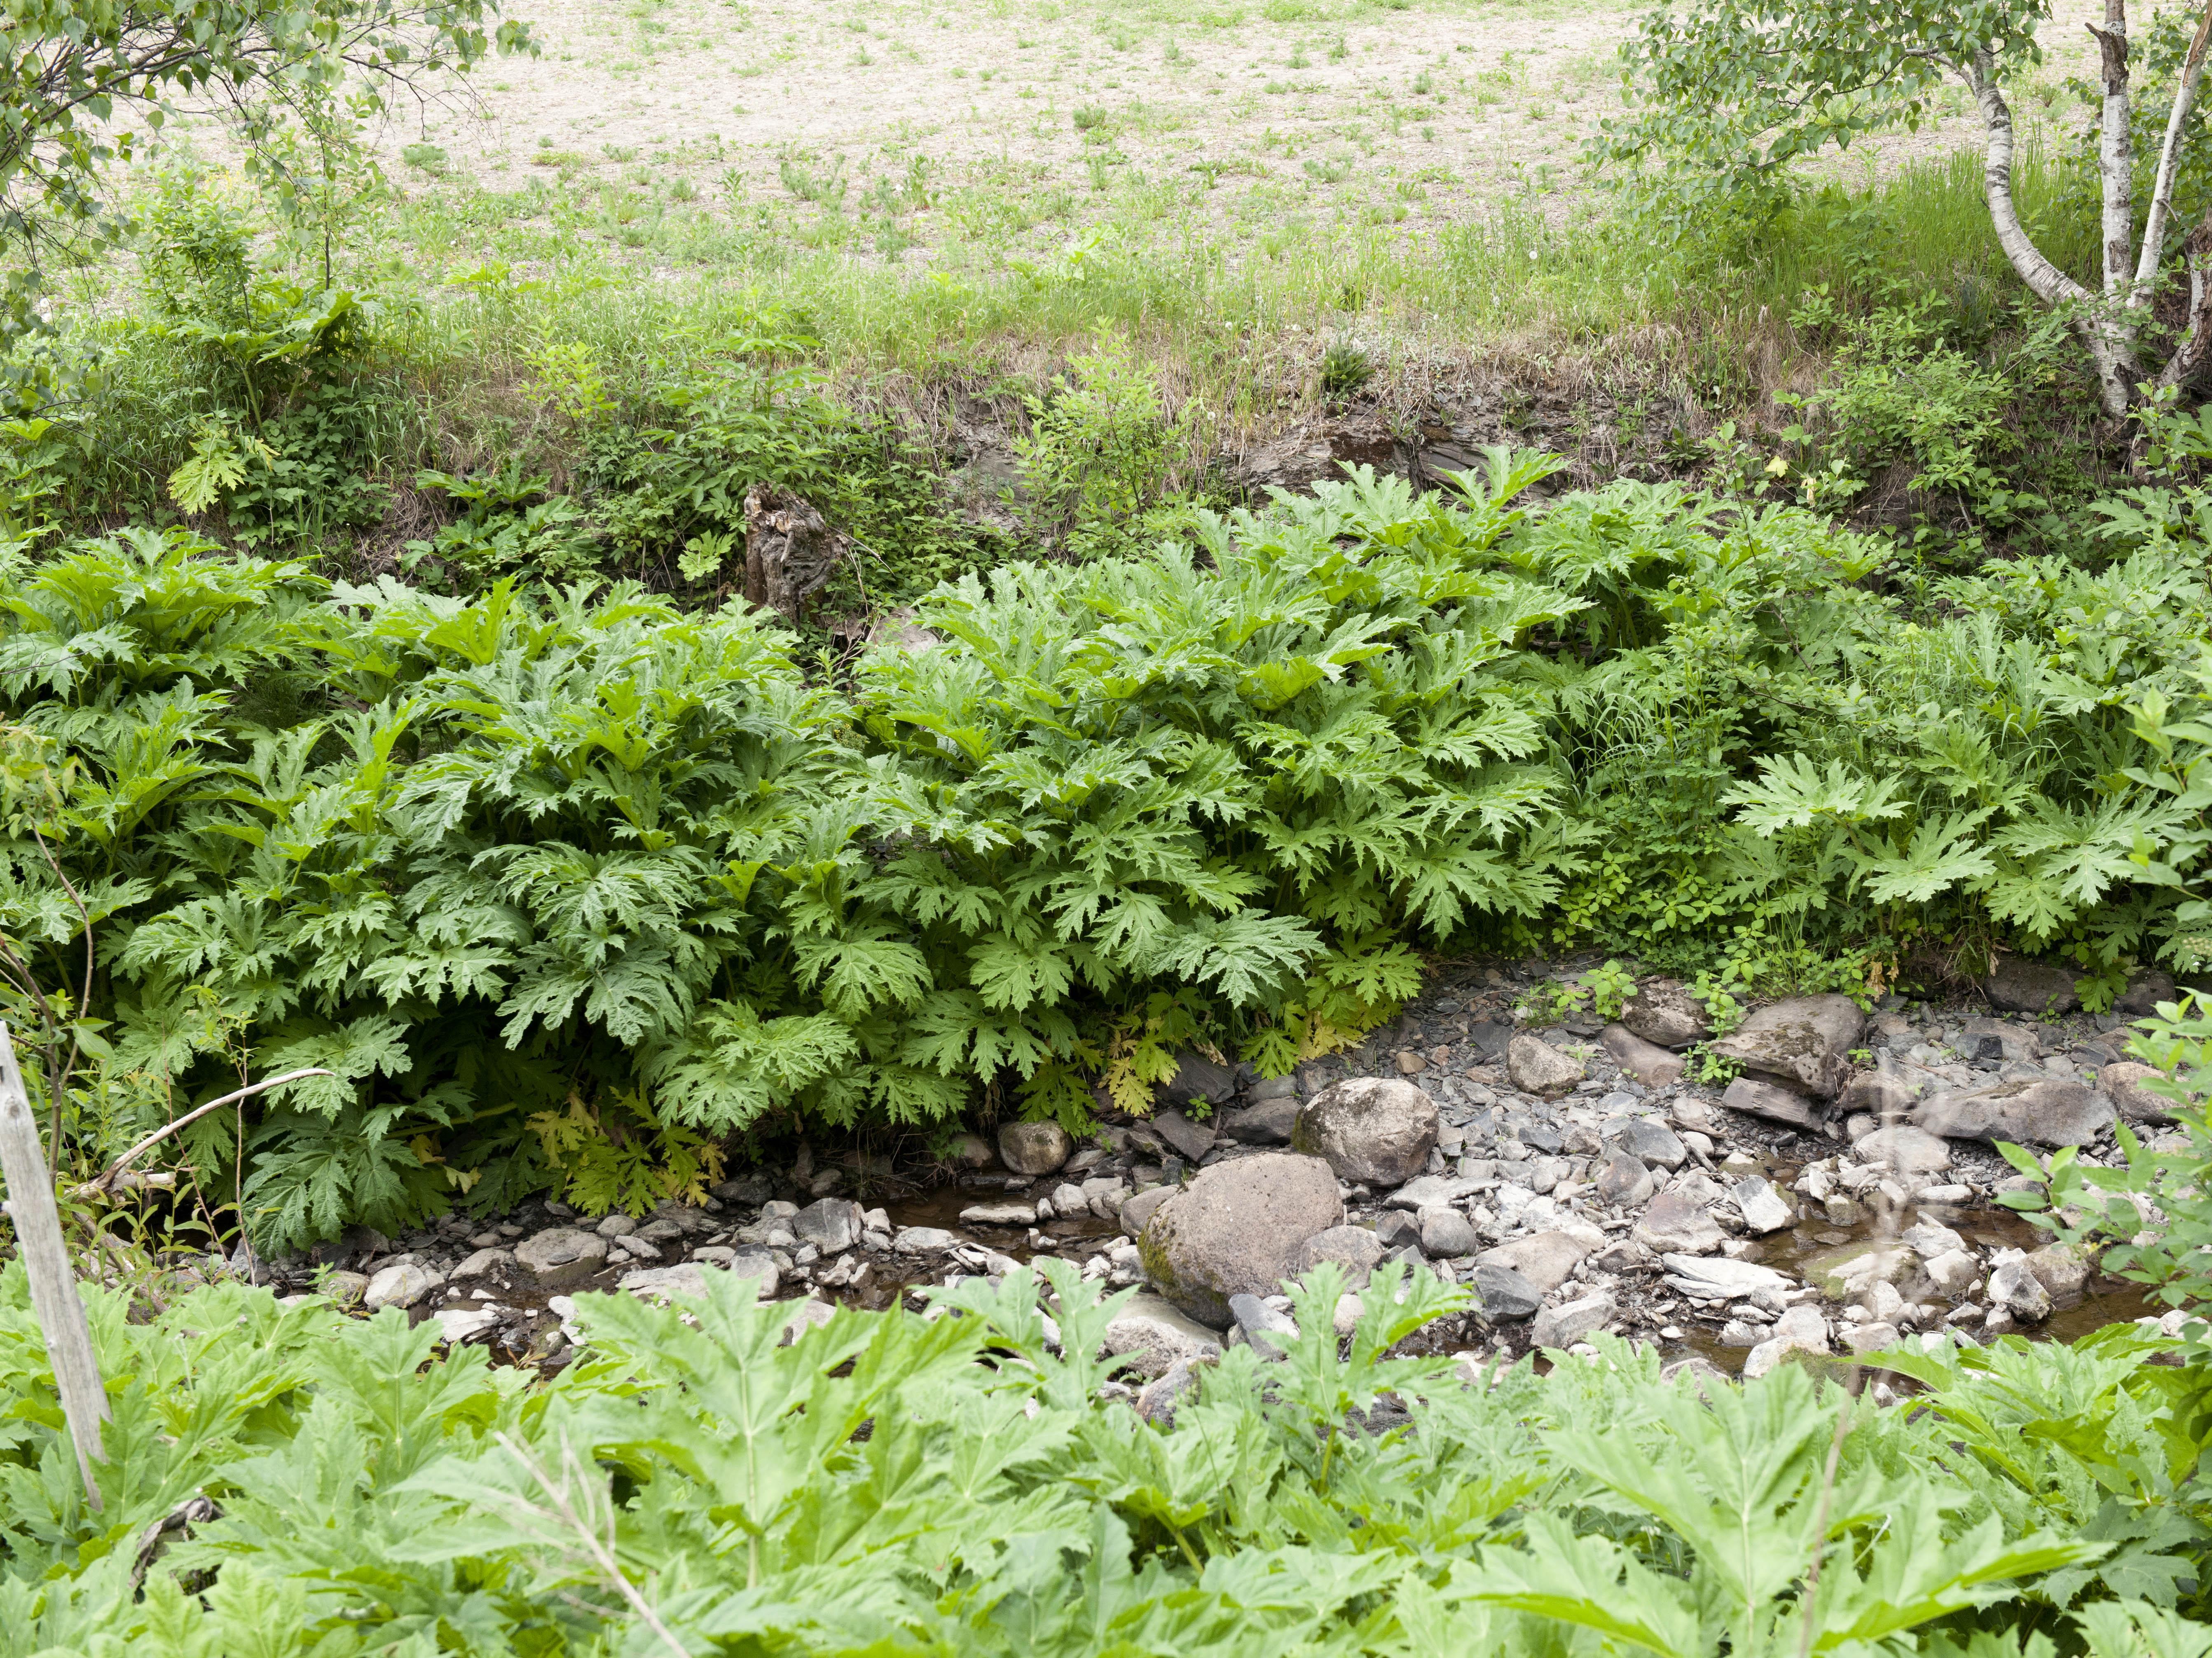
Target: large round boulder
x,y
1238,1229
1376,1129
1034,1148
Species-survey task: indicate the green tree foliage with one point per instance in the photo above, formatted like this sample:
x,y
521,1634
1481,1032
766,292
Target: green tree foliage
x,y
699,1480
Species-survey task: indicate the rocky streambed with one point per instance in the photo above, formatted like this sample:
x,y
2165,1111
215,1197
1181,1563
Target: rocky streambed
x,y
1835,1195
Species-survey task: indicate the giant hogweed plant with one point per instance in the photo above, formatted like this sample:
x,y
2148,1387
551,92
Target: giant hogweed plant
x,y
566,887
286,1481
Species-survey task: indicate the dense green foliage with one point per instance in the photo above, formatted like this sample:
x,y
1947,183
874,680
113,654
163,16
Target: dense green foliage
x,y
519,866
887,1484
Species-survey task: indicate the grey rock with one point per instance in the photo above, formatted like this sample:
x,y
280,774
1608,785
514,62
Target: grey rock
x,y
2014,1287
1157,1334
561,1257
1200,1080
2049,1112
1722,1278
615,1226
1192,1140
1138,1209
1871,1337
1803,1043
1156,1402
1882,1095
1377,1130
2125,1080
1905,1150
1429,1189
687,1281
1953,1272
748,1190
1013,1213
1395,1228
757,1263
2061,1271
1756,1097
1505,1294
1649,1063
2146,990
1238,1229
400,1285
1652,1142
1267,1122
1801,1329
2020,985
971,1150
1763,1208
1676,1224
1546,1259
1624,1180
1537,1067
1266,1331
1565,1325
476,1265
923,1239
830,1224
1664,1013
1355,1248
1987,1040
1446,1232
1033,1148
457,1324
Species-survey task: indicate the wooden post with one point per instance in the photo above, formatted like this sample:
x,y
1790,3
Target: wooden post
x,y
39,1247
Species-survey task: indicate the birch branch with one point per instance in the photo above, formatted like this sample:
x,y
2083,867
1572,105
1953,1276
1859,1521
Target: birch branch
x,y
100,1184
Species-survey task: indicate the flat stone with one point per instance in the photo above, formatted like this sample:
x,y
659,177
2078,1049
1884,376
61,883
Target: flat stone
x,y
1905,1150
1537,1067
1356,1248
1663,1013
457,1324
481,1262
1432,1189
1676,1224
1157,1333
1238,1229
687,1281
1871,1337
1544,1259
561,1257
1034,1148
998,1214
615,1226
1267,1332
2018,984
2049,1112
1138,1209
1722,1278
1375,1131
1763,1208
923,1239
1505,1294
832,1225
1760,1098
1569,1322
1987,1040
1446,1232
1845,1274
1650,1064
1191,1140
1268,1122
1803,1043
402,1285
1652,1142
